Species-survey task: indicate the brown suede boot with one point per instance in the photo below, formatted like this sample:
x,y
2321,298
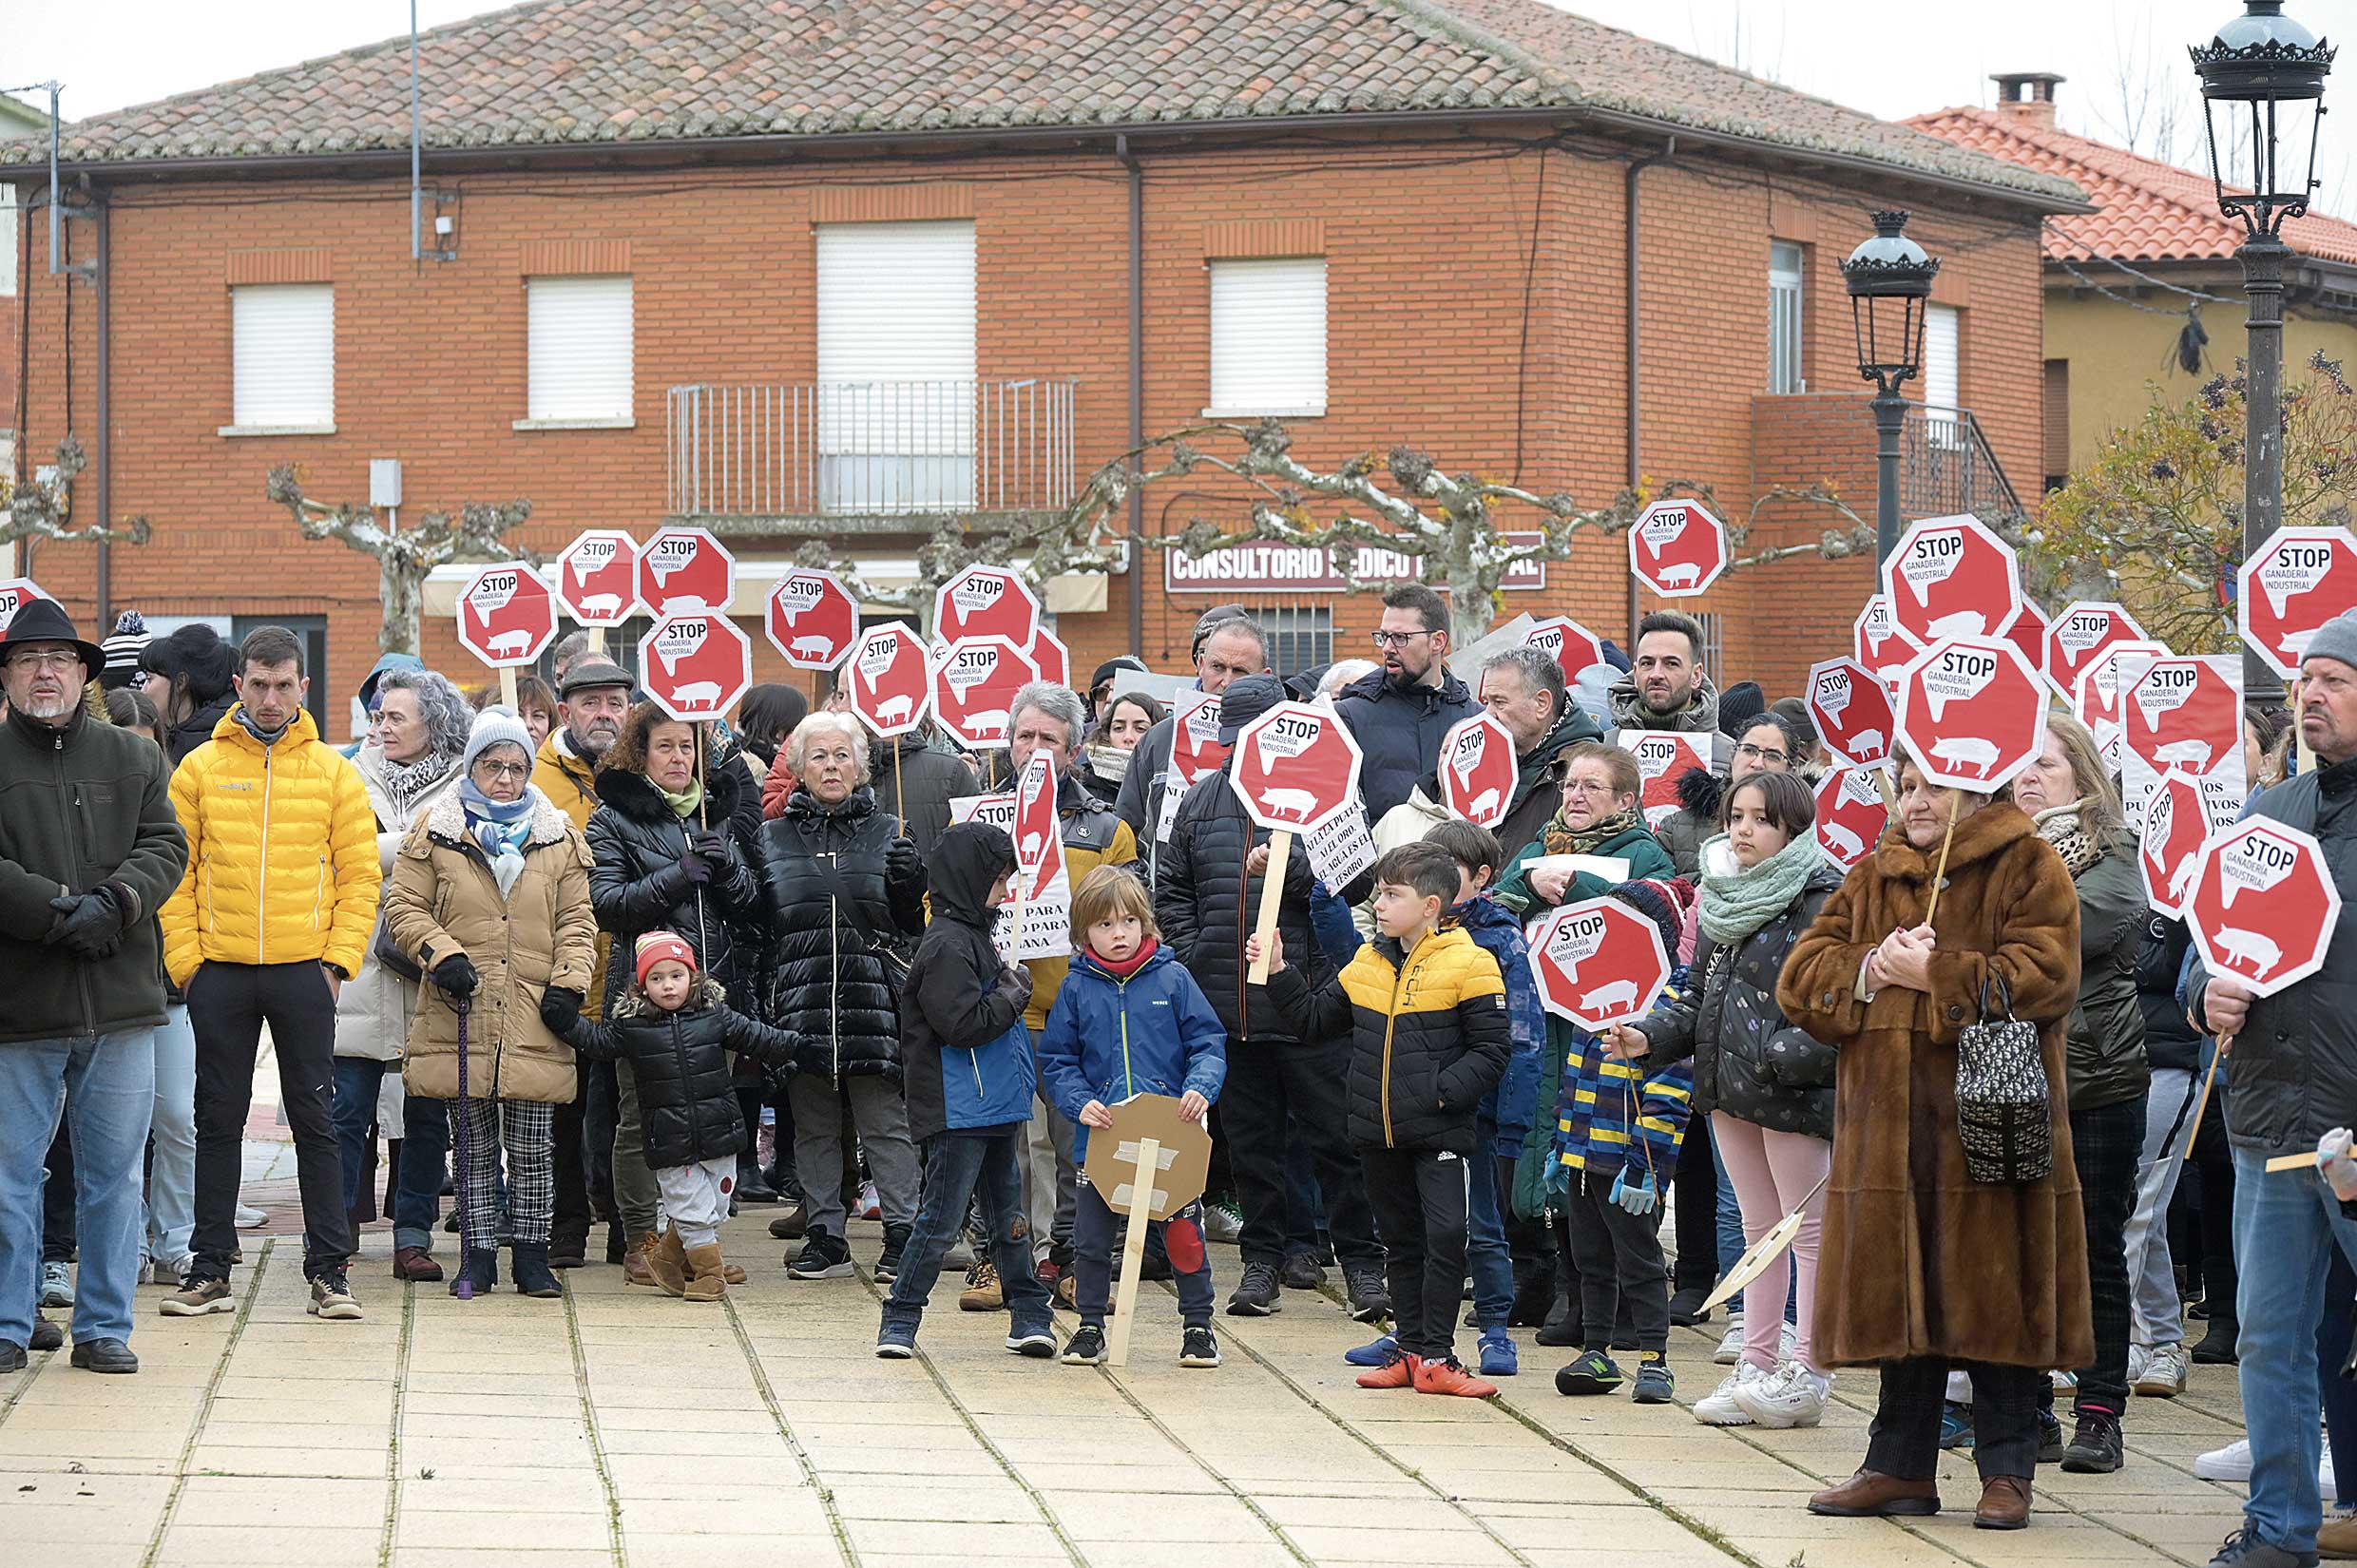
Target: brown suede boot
x,y
708,1284
732,1273
634,1265
667,1262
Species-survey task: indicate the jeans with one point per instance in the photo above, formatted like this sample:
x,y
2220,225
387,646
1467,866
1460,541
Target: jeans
x,y
172,1171
955,1170
1904,1440
2286,1228
2105,1145
425,1139
2333,1333
2159,1316
1266,1083
1305,1211
106,1086
1093,1224
1619,1256
1419,1201
1485,1248
827,1162
229,1004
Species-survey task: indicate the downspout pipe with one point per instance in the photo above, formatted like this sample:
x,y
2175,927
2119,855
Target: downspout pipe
x,y
105,409
1122,150
1633,208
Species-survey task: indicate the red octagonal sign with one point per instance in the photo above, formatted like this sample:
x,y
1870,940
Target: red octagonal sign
x,y
1296,767
507,614
2180,814
683,571
974,686
811,620
1676,548
1851,711
1194,745
890,678
2081,632
1952,577
1850,815
16,593
2300,579
1599,962
1478,771
2029,633
598,578
2263,906
1972,713
1880,644
696,666
1570,645
985,602
1663,757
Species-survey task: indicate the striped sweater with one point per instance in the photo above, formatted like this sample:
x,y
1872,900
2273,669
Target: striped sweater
x,y
1607,1107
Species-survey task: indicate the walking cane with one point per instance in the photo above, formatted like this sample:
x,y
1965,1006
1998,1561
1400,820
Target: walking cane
x,y
464,1288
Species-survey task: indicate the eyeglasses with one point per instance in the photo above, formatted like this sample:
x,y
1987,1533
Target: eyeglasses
x,y
505,770
44,658
1589,786
1397,640
1760,753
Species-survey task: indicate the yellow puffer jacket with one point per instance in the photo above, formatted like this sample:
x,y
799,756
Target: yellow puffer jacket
x,y
282,863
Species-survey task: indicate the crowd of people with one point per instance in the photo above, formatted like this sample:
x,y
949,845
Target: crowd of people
x,y
572,962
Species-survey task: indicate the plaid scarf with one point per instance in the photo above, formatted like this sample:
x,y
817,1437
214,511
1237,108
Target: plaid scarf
x,y
1563,838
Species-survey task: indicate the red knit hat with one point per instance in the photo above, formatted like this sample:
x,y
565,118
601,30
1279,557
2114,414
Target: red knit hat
x,y
657,945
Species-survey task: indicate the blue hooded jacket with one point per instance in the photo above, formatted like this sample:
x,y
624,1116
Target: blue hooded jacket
x,y
966,1057
1511,1105
1109,1038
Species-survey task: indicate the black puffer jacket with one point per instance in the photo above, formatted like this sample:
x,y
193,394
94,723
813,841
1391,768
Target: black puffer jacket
x,y
196,729
914,779
687,1099
2105,1062
1400,728
1749,1061
832,982
1206,907
2168,1039
638,883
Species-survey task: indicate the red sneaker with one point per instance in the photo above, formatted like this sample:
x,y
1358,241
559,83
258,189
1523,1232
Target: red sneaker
x,y
1401,1371
1447,1377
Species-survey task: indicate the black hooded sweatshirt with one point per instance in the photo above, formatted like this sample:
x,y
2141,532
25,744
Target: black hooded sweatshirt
x,y
957,996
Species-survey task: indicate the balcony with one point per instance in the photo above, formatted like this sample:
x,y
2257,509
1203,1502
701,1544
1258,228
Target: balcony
x,y
1945,466
866,455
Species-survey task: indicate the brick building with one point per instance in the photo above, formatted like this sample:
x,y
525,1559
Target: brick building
x,y
830,278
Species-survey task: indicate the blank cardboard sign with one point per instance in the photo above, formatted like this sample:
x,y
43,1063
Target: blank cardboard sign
x,y
1185,1161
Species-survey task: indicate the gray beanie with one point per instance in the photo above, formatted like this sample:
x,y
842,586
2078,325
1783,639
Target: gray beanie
x,y
2336,638
494,726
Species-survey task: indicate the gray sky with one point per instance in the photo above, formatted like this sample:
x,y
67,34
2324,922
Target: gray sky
x,y
2129,76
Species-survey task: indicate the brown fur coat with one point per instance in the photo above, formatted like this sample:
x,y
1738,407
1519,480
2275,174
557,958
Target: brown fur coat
x,y
1918,1259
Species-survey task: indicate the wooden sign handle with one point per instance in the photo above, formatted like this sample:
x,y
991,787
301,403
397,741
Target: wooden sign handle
x,y
508,686
1142,1183
1272,898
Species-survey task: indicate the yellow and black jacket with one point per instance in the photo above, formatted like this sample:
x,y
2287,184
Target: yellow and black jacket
x,y
1430,1037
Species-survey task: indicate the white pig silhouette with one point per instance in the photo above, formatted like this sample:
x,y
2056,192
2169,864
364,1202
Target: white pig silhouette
x,y
1841,840
894,709
812,647
601,603
2193,753
2249,948
695,694
2182,882
511,643
1866,740
1959,624
1968,748
1685,572
1030,851
1293,803
1604,997
1482,805
987,722
678,604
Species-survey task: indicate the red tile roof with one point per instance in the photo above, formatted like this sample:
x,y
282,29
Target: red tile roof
x,y
2146,210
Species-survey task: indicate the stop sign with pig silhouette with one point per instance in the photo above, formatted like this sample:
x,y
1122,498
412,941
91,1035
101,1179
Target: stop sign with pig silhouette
x,y
1952,577
974,687
506,614
2081,632
889,675
598,578
1881,643
1851,710
2180,713
1478,771
1663,757
2263,906
1972,714
1571,646
2181,812
683,571
1677,548
696,666
2297,581
1850,815
1599,962
1296,767
811,620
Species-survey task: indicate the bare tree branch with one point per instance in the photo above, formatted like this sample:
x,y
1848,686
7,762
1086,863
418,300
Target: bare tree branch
x,y
44,510
405,557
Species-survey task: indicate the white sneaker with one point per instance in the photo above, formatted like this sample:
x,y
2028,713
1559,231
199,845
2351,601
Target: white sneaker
x,y
1793,1396
2232,1463
2324,1479
2139,1357
2163,1374
56,1285
1719,1408
1729,1344
251,1219
1787,1341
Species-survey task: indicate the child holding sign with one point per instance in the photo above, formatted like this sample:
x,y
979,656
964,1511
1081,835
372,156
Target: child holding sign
x,y
1427,1011
1130,1021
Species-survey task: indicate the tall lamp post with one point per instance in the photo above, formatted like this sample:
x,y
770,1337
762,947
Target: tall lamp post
x,y
1889,278
2262,96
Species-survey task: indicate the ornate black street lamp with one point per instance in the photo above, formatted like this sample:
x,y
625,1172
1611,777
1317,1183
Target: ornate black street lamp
x,y
1889,278
2262,103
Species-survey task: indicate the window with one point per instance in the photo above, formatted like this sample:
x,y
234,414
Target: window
x,y
1268,337
895,367
1940,344
580,354
8,240
1710,655
1784,317
1300,638
284,356
2058,423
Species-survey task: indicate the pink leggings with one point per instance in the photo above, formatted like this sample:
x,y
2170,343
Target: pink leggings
x,y
1772,1172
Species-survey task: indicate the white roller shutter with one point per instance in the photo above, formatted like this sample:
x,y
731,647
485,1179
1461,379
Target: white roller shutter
x,y
1268,337
284,355
896,366
8,220
1940,338
581,348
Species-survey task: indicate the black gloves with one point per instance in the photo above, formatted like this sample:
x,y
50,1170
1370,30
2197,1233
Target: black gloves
x,y
456,976
560,1009
90,924
901,865
1016,979
708,846
695,867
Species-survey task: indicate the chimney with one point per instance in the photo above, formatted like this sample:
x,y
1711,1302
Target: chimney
x,y
2027,95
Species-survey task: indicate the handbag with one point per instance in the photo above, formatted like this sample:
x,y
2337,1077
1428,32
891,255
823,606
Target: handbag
x,y
389,957
2002,1098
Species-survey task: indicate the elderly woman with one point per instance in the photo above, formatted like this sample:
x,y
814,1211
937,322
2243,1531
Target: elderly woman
x,y
665,838
848,896
417,730
1921,1267
491,898
1599,817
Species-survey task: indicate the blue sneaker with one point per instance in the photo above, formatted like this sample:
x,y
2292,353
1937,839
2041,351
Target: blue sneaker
x,y
1498,1357
1379,1353
1955,1424
895,1342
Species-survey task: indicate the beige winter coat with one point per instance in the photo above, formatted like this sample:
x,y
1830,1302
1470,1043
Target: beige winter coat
x,y
442,900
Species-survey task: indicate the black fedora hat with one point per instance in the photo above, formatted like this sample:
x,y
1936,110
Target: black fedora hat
x,y
45,620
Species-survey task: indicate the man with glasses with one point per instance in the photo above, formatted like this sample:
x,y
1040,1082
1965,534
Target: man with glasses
x,y
1765,745
1524,690
1400,713
1228,646
90,849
